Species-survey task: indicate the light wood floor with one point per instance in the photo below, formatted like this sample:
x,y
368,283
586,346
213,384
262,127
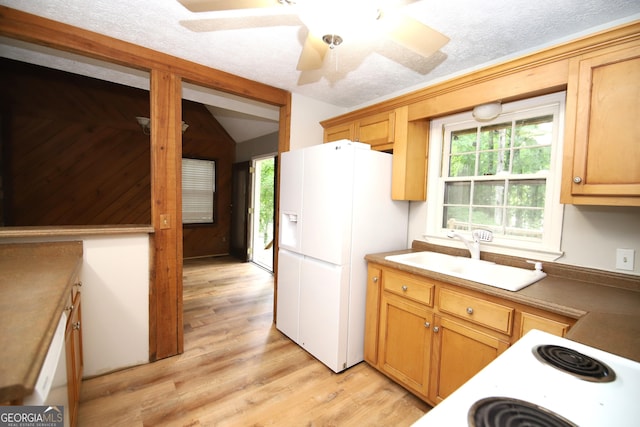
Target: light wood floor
x,y
238,370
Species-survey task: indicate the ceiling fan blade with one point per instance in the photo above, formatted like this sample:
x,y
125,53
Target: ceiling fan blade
x,y
240,22
220,5
416,36
313,53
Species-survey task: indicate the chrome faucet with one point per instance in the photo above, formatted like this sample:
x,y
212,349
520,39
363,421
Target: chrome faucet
x,y
473,246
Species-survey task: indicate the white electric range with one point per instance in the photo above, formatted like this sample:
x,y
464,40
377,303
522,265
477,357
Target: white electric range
x,y
603,391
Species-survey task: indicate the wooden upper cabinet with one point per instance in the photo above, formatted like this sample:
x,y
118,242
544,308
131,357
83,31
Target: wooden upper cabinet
x,y
410,151
377,130
601,164
392,131
338,132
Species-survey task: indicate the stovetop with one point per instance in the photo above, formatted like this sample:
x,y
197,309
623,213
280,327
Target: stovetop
x,y
609,399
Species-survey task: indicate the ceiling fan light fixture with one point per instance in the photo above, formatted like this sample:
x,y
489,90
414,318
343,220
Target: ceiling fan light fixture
x,y
332,40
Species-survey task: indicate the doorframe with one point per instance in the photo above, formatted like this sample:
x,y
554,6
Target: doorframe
x,y
252,211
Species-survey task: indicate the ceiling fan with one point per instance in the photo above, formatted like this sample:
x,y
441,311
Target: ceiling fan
x,y
330,22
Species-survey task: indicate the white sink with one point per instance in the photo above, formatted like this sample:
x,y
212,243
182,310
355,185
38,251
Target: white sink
x,y
485,272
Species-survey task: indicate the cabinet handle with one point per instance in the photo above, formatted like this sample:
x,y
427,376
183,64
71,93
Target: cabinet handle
x,y
577,179
404,288
427,324
76,326
375,279
436,329
469,310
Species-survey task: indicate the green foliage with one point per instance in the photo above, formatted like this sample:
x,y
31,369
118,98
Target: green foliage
x,y
506,164
267,185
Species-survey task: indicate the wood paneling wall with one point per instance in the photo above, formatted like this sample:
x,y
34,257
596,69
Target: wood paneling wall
x,y
73,154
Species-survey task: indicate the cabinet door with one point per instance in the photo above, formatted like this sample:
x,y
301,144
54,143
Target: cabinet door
x,y
338,132
603,130
372,313
405,342
75,363
377,130
459,352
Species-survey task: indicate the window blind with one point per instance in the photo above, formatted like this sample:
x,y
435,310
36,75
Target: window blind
x,y
198,189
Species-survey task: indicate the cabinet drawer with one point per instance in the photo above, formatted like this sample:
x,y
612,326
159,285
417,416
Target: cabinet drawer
x,y
409,287
531,321
477,310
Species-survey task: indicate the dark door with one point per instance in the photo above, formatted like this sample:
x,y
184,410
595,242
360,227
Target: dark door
x,y
241,186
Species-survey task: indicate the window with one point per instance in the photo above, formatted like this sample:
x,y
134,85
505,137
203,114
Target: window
x,y
502,175
198,190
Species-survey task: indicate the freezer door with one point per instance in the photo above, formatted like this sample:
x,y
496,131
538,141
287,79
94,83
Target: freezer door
x,y
291,171
324,292
288,294
327,189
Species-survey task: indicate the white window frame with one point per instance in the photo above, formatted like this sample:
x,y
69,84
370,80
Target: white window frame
x,y
198,191
548,248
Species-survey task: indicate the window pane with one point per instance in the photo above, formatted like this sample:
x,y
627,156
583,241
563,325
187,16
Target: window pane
x,y
489,193
456,218
493,162
463,141
462,165
531,160
534,132
487,217
525,222
530,193
495,137
457,193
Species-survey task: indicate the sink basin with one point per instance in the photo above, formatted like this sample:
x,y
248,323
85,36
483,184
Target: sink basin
x,y
484,272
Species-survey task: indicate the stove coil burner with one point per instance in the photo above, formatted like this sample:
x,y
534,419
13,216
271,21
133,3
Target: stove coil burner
x,y
509,412
575,363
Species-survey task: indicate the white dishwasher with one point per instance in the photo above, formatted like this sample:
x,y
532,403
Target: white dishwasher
x,y
51,386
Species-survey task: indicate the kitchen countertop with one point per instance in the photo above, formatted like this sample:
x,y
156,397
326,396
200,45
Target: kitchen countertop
x,y
606,304
35,282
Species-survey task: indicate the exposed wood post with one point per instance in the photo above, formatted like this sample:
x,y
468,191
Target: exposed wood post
x,y
165,303
283,145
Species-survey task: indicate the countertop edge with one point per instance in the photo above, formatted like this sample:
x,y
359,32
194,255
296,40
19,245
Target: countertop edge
x,y
74,230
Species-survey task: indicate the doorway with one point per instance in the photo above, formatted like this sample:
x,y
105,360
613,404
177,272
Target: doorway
x,y
262,211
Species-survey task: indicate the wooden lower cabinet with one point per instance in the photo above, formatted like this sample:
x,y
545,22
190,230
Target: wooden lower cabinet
x,y
372,314
459,352
405,341
431,337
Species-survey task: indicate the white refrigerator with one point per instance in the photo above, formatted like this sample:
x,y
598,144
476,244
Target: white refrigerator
x,y
335,207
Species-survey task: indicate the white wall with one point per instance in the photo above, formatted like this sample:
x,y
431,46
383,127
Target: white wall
x,y
115,303
591,235
306,115
265,144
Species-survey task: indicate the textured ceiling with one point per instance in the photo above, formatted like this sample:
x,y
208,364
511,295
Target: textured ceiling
x,y
366,68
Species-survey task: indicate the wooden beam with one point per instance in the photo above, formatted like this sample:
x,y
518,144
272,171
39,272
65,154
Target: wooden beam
x,y
166,214
35,29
